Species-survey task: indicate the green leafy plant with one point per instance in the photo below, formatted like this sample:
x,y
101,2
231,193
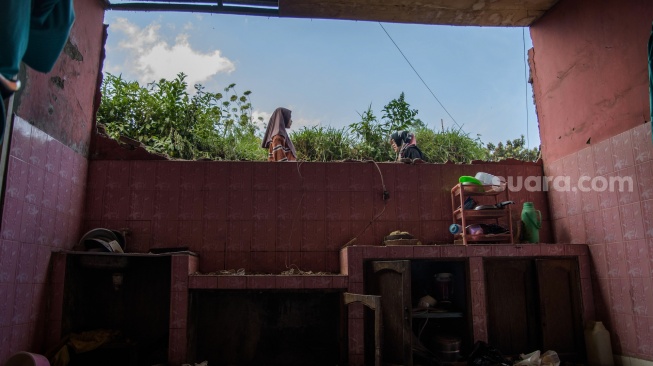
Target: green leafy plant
x,y
168,120
322,144
515,149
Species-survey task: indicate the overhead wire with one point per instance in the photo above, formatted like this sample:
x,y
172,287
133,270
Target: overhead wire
x,y
523,38
420,77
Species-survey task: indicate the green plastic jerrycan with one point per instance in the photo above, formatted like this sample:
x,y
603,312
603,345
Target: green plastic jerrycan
x,y
532,220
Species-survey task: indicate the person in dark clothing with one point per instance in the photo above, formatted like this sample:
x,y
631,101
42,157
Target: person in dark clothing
x,y
405,145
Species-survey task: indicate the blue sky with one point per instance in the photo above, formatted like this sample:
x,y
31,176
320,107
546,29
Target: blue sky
x,y
329,71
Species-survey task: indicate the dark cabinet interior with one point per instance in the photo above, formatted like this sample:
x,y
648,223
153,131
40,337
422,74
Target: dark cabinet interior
x,y
535,304
121,299
414,334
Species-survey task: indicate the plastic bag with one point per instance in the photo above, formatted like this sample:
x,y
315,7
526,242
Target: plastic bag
x,y
549,358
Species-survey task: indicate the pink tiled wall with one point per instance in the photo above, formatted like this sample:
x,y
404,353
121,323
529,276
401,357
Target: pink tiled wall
x,y
266,217
42,212
618,227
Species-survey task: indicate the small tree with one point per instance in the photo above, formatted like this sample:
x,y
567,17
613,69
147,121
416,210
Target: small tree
x,y
515,149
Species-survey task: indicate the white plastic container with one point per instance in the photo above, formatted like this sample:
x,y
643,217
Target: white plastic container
x,y
597,342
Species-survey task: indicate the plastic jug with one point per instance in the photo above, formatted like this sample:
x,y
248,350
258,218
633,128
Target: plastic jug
x,y
532,220
597,342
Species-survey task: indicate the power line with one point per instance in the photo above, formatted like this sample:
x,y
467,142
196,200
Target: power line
x,y
418,75
523,37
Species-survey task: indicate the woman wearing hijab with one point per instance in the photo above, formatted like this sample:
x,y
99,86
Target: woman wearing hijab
x,y
276,139
405,144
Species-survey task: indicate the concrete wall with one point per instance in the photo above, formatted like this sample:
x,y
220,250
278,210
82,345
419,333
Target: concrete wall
x,y
46,180
590,81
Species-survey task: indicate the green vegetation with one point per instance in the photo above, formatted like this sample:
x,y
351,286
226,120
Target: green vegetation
x,y
167,119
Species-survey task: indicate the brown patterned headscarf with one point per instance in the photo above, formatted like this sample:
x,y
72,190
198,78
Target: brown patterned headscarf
x,y
279,121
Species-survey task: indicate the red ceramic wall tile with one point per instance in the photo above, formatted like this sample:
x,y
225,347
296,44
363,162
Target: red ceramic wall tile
x,y
190,234
576,225
239,236
64,193
20,139
478,298
263,262
265,205
435,232
289,205
526,250
9,254
362,176
426,251
586,162
313,236
264,176
192,175
212,261
369,252
480,328
166,204
557,204
381,229
624,325
479,250
616,260
165,233
642,148
385,210
318,282
232,282
216,175
20,338
644,174
80,170
590,201
313,205
603,163
552,249
288,177
388,172
400,251
289,282
29,223
17,175
167,175
430,178
356,359
142,175
22,303
453,251
628,192
264,236
579,249
62,238
118,175
38,148
574,202
34,189
356,336
408,205
407,178
361,206
313,261
141,204
356,287
203,282
644,334
240,205
337,177
42,264
594,233
261,282
215,205
642,295
286,261
116,203
632,226
561,231
289,235
338,233
429,206
622,153
584,265
363,233
178,309
505,251
240,178
214,235
191,205
7,294
611,225
340,282
312,176
177,346
637,258
67,166
337,205
237,260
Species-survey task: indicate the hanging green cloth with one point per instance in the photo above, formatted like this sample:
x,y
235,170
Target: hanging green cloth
x,y
650,76
33,32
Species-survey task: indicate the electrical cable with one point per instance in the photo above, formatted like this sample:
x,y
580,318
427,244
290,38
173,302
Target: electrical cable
x,y
420,77
523,38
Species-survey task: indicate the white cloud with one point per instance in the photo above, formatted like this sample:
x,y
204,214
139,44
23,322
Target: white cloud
x,y
149,57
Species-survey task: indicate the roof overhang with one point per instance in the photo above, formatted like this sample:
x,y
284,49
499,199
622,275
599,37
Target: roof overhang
x,y
497,13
